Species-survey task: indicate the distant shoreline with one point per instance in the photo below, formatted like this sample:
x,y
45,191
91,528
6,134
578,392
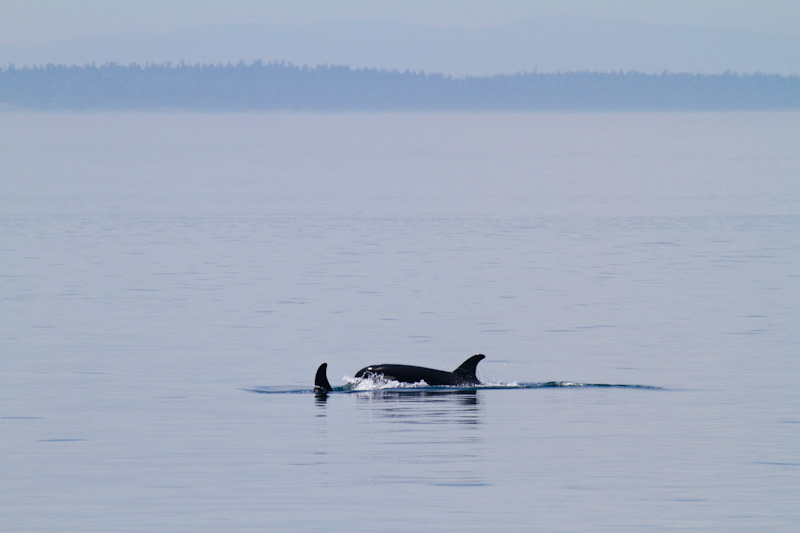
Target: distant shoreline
x,y
282,86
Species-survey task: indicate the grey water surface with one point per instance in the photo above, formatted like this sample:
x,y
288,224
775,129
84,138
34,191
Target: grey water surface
x,y
158,271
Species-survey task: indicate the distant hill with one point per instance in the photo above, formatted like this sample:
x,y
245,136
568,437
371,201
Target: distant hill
x,y
543,44
279,86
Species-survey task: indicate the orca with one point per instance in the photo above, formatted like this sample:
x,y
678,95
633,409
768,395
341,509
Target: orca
x,y
463,375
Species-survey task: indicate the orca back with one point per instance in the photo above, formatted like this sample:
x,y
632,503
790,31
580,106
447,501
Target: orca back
x,y
463,375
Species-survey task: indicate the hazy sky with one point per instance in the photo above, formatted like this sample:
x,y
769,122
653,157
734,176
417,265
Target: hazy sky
x,y
32,22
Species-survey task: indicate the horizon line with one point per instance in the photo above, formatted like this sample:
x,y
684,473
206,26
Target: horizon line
x,y
259,63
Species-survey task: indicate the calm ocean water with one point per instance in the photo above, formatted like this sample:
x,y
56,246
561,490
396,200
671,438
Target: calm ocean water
x,y
164,277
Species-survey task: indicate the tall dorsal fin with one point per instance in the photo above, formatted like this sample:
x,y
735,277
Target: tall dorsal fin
x,y
321,379
467,369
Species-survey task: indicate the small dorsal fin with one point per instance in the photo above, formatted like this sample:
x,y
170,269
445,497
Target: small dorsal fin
x,y
467,369
321,379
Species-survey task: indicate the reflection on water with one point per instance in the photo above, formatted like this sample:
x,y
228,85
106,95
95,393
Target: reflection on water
x,y
426,406
423,407
426,437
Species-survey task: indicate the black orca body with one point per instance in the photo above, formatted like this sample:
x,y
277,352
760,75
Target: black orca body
x,y
463,375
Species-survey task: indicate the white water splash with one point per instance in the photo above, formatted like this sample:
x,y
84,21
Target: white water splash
x,y
378,382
